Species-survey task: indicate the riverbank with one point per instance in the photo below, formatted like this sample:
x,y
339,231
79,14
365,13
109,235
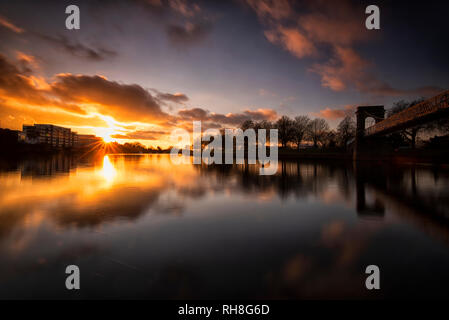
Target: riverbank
x,y
429,156
397,156
19,150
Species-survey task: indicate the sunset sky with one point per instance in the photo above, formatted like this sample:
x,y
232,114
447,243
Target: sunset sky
x,y
138,69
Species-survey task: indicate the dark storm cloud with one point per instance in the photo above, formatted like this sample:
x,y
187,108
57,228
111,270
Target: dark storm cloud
x,y
171,97
73,47
128,102
79,49
193,114
233,119
190,33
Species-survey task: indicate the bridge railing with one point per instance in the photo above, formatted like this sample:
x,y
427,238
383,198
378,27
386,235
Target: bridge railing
x,y
415,112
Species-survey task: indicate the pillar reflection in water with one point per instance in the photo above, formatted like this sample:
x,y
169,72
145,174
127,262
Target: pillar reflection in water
x,y
375,209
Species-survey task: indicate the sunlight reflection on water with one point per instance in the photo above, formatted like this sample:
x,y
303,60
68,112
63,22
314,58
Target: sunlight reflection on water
x,y
108,170
138,226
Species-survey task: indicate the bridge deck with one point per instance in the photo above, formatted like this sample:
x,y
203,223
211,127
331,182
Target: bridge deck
x,y
428,110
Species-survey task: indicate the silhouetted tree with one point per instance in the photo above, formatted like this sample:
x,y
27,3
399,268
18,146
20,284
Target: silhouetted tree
x,y
264,124
410,135
247,124
285,130
316,130
346,131
300,129
329,139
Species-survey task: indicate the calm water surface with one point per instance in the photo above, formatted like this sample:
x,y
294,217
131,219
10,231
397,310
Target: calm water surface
x,y
140,227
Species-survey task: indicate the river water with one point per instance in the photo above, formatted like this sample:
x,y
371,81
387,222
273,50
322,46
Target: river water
x,y
138,226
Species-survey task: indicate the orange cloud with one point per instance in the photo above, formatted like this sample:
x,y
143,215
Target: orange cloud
x,y
184,8
332,114
347,69
335,25
16,86
271,9
323,25
15,115
26,61
141,135
292,40
9,25
25,57
88,104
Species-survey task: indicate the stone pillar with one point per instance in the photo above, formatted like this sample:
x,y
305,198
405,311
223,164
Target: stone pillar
x,y
363,112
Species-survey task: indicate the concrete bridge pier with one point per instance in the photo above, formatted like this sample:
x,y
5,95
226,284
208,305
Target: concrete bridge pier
x,y
368,147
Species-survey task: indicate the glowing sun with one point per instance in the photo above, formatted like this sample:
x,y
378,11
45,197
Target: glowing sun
x,y
106,134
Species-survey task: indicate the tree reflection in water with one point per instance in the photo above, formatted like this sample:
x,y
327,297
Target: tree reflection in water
x,y
141,227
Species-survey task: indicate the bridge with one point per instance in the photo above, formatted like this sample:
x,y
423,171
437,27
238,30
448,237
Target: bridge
x,y
431,109
428,110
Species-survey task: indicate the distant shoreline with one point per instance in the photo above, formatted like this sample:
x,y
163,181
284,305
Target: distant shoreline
x,y
398,156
